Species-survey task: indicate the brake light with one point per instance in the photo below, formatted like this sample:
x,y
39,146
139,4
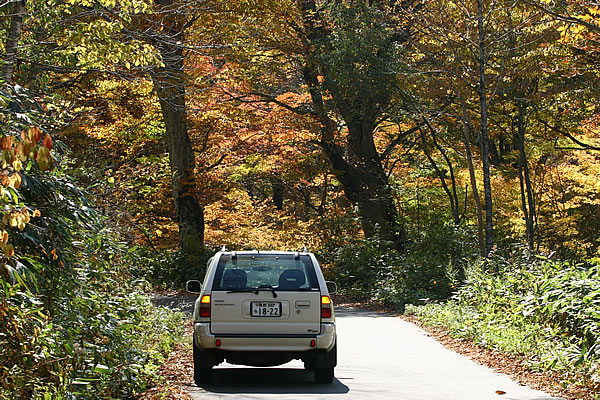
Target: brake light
x,y
326,307
205,306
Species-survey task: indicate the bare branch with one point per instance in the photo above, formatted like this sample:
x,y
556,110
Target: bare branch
x,y
584,146
268,99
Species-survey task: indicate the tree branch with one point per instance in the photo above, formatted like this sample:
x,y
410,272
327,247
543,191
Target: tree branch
x,y
269,99
584,146
562,17
390,147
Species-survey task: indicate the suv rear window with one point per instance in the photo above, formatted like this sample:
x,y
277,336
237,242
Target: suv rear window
x,y
277,271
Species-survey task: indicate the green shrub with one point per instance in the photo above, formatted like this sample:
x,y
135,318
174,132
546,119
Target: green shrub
x,y
369,270
169,269
74,324
100,345
545,310
27,338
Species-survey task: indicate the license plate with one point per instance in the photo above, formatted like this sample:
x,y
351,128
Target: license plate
x,y
265,309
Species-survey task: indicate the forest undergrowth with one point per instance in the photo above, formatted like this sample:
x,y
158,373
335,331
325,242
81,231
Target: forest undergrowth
x,y
543,311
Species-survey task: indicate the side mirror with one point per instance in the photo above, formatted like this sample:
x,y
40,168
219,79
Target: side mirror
x,y
193,286
331,287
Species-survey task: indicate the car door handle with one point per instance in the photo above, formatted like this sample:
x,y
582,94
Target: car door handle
x,y
302,304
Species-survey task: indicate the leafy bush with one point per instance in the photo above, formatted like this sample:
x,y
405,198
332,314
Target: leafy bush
x,y
545,310
101,345
72,324
169,269
26,339
370,270
84,329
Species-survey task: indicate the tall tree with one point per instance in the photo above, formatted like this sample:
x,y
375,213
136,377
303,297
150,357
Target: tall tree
x,y
130,38
483,92
354,62
528,204
475,58
467,129
17,13
170,82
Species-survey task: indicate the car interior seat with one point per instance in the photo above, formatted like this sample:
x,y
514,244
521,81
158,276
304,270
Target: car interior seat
x,y
291,279
234,279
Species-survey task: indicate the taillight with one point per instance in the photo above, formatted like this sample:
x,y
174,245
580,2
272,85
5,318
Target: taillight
x,y
205,306
326,307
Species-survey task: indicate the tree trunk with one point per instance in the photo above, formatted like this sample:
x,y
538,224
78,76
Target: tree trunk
x,y
169,83
12,40
495,156
451,195
478,208
525,178
370,190
278,186
364,180
357,166
485,152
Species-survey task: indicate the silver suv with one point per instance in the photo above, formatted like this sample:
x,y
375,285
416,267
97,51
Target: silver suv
x,y
264,309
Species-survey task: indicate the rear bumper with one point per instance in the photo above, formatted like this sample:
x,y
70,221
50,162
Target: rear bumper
x,y
205,340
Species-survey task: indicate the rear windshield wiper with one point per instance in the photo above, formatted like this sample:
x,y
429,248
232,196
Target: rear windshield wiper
x,y
254,290
268,288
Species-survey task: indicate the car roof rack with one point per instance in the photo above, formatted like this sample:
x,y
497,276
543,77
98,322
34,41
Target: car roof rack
x,y
224,248
304,249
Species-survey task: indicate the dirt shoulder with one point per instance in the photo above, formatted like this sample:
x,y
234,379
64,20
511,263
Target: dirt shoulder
x,y
509,364
176,374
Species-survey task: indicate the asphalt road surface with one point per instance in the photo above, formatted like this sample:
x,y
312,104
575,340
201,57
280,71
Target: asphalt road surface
x,y
379,357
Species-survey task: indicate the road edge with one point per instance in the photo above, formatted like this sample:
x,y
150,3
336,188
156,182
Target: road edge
x,y
509,364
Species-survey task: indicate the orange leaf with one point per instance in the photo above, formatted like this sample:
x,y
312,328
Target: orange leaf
x,y
35,134
20,150
47,142
6,142
9,250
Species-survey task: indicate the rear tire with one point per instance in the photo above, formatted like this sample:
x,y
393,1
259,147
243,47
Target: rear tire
x,y
202,373
324,375
309,365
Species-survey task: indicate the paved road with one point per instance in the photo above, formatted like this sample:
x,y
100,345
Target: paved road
x,y
379,357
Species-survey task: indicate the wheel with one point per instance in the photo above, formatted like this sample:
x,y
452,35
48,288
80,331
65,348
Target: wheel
x,y
324,375
202,373
309,365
